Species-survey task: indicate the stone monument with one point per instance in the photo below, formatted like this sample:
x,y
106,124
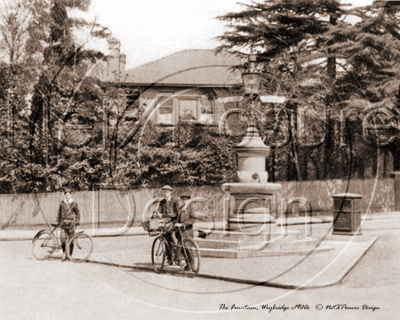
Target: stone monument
x,y
248,228
253,184
242,200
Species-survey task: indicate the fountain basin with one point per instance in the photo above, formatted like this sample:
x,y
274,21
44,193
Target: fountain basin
x,y
251,188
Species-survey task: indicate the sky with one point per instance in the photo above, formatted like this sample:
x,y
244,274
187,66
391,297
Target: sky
x,y
152,29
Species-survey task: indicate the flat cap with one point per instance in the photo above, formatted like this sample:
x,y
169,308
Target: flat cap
x,y
166,188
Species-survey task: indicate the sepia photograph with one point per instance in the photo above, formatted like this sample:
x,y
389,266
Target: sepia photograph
x,y
215,159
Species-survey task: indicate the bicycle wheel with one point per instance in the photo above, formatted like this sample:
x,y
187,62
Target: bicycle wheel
x,y
191,255
158,251
43,245
79,247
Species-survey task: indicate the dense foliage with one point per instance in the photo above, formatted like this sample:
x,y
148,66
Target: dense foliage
x,y
59,126
190,155
334,73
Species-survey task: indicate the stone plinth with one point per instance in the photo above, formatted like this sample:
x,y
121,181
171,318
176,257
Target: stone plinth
x,y
240,199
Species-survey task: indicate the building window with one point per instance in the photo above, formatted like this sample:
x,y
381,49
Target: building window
x,y
197,109
166,111
188,110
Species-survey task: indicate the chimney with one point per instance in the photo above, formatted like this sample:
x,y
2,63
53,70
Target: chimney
x,y
122,64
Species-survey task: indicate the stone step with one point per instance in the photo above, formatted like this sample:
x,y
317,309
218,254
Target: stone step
x,y
219,253
217,244
251,218
278,243
247,235
250,225
237,254
302,220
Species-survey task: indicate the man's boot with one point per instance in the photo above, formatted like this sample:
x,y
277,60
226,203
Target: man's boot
x,y
71,249
169,257
64,256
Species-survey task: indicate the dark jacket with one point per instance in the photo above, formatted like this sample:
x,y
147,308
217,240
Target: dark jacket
x,y
185,217
170,208
68,212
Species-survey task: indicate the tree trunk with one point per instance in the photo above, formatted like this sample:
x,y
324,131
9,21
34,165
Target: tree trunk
x,y
272,164
331,63
305,164
294,151
395,150
327,146
385,163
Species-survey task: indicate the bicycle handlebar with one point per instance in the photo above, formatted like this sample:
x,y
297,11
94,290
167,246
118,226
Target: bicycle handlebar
x,y
56,225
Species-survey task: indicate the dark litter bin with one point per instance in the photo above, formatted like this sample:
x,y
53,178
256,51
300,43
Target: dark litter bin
x,y
347,214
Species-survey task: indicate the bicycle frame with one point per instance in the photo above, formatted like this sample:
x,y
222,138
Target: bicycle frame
x,y
56,234
57,237
175,246
52,232
181,252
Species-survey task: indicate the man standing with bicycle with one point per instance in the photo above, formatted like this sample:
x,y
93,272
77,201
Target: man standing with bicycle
x,y
169,207
68,217
186,216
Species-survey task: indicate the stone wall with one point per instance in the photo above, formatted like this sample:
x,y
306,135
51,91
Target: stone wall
x,y
378,194
104,208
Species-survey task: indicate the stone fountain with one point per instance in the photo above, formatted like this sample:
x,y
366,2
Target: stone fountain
x,y
250,210
249,228
251,199
253,188
252,204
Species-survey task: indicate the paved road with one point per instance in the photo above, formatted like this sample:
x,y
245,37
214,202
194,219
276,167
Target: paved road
x,y
50,289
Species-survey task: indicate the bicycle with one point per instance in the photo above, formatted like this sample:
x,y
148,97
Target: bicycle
x,y
45,243
189,251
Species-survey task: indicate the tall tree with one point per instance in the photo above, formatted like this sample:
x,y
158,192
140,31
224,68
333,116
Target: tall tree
x,y
371,51
63,59
14,19
280,27
286,36
52,74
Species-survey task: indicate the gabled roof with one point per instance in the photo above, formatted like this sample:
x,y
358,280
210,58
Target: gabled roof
x,y
188,67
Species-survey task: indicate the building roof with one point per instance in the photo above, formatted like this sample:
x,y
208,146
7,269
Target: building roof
x,y
188,67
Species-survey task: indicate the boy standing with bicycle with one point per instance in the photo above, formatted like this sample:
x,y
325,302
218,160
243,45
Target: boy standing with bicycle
x,y
68,217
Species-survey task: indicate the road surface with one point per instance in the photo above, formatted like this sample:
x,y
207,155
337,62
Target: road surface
x,y
32,289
